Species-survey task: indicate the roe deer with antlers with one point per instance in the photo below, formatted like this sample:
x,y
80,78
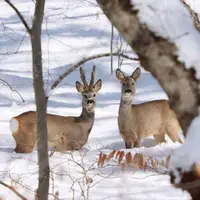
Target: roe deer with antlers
x,y
64,133
137,121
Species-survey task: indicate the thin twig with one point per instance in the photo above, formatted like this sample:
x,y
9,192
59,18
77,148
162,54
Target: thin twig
x,y
84,60
194,15
20,43
7,84
20,16
14,190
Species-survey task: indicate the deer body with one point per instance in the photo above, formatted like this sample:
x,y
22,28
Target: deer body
x,y
137,121
64,133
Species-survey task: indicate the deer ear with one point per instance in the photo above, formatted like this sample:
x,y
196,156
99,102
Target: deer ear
x,y
97,86
79,87
136,74
119,75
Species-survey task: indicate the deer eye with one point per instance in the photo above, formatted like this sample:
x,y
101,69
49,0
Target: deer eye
x,y
94,95
85,96
133,83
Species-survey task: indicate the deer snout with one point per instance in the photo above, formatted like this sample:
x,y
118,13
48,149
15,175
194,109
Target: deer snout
x,y
90,101
128,91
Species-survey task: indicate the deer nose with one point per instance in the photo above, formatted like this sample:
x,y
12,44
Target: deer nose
x,y
127,91
90,101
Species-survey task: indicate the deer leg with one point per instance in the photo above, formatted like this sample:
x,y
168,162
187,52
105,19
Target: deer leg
x,y
74,146
130,140
22,148
159,138
172,131
128,145
24,142
136,144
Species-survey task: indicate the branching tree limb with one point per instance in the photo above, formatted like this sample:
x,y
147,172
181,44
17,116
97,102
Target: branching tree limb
x,y
19,15
14,190
194,15
159,56
84,60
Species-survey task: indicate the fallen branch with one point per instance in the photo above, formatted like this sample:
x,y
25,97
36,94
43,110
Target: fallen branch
x,y
84,60
14,190
194,15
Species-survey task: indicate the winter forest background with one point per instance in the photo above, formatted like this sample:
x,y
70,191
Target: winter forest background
x,y
109,34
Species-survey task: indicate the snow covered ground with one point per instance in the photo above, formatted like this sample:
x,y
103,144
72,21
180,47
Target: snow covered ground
x,y
72,30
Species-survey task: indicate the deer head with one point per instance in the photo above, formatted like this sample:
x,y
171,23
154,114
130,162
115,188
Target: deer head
x,y
88,91
128,83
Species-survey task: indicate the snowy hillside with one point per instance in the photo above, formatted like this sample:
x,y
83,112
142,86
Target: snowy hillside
x,y
74,29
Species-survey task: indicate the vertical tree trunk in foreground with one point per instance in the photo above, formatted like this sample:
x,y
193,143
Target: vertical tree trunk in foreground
x,y
40,99
41,104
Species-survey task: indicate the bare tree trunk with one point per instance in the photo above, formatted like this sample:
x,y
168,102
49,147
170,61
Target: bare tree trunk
x,y
40,99
41,103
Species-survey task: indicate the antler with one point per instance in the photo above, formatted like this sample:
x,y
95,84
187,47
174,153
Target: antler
x,y
92,76
82,72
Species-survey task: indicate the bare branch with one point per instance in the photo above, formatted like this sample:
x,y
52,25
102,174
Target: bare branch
x,y
194,15
19,15
84,60
7,84
14,190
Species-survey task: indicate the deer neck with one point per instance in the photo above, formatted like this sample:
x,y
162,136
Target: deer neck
x,y
87,116
125,108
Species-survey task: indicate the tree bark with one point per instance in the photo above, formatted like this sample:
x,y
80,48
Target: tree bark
x,y
190,181
41,103
158,56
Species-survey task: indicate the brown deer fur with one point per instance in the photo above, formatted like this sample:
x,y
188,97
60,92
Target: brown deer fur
x,y
64,133
137,121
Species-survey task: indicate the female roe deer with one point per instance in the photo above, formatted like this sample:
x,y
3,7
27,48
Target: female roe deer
x,y
142,120
64,133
